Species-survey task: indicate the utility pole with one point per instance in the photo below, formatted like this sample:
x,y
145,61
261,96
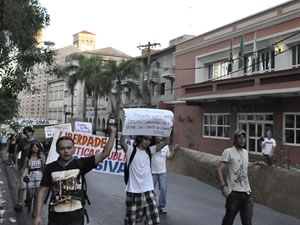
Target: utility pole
x,y
148,48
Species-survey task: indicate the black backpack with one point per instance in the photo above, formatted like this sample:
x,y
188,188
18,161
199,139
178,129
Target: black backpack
x,y
85,198
126,167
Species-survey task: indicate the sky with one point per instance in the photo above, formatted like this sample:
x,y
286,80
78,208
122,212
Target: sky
x,y
126,24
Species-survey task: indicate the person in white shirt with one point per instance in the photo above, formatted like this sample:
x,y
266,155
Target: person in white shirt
x,y
140,197
159,170
268,146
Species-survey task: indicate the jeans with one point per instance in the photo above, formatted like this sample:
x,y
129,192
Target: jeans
x,y
161,178
268,160
238,202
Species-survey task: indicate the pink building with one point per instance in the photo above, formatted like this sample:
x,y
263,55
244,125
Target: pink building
x,y
243,75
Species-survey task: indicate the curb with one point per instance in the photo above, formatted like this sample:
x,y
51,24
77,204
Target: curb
x,y
7,193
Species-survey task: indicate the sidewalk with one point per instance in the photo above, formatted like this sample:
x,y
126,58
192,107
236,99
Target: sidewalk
x,y
8,176
6,194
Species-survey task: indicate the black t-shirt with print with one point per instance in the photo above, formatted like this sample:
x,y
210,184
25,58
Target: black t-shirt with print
x,y
66,184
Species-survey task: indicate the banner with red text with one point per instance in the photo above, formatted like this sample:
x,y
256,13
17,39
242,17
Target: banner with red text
x,y
87,145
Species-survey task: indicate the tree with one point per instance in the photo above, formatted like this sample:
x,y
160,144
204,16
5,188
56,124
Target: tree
x,y
9,107
21,22
124,75
87,70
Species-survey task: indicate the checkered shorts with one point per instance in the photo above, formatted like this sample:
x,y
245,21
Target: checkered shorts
x,y
139,205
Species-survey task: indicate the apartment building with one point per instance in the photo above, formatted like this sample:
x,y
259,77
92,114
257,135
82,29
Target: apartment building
x,y
158,75
52,100
243,75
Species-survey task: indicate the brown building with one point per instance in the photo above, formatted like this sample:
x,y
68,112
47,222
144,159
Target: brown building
x,y
256,87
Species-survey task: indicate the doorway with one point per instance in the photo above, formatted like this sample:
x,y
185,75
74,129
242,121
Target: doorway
x,y
255,125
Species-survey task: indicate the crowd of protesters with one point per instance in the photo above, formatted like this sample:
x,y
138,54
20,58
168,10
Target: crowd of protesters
x,y
27,155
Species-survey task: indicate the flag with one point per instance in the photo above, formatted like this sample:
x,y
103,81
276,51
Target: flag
x,y
249,65
241,53
229,68
254,47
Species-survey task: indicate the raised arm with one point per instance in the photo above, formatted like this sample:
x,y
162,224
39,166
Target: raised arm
x,y
173,151
123,143
162,144
99,157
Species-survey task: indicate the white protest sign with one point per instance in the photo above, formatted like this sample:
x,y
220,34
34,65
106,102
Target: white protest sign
x,y
144,121
83,127
50,130
88,145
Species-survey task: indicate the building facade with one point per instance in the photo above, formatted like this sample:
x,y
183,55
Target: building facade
x,y
243,75
53,101
84,40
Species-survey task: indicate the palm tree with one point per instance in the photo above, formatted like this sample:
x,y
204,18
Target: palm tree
x,y
87,70
124,74
72,73
97,83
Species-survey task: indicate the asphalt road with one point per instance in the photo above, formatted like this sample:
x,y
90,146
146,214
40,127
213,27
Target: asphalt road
x,y
189,202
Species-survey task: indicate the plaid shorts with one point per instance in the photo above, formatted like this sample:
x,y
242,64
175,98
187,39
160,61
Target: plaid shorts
x,y
139,205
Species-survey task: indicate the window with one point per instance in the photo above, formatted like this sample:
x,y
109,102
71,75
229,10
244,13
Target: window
x,y
296,55
251,62
162,88
255,125
218,71
266,61
216,125
292,128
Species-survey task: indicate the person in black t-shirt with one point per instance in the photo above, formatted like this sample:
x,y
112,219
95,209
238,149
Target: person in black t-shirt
x,y
23,146
64,177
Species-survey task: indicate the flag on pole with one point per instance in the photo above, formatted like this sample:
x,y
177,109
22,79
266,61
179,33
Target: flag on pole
x,y
254,47
229,68
241,53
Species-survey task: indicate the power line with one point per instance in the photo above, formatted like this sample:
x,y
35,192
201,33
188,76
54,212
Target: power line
x,y
148,47
206,66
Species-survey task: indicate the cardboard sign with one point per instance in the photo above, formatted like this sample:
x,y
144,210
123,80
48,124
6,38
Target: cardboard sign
x,y
144,121
83,127
50,130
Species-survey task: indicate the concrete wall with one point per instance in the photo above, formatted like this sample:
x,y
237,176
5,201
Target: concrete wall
x,y
276,188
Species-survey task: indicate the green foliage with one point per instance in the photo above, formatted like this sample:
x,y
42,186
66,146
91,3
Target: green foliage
x,y
21,22
20,25
100,77
9,107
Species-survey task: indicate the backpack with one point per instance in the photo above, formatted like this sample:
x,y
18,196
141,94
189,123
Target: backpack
x,y
85,198
126,167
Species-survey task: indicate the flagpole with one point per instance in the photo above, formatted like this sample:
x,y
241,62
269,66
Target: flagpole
x,y
229,69
241,53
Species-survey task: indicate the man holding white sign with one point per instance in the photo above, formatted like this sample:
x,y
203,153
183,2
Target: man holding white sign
x,y
140,197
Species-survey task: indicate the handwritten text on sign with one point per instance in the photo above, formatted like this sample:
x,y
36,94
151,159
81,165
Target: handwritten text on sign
x,y
143,121
50,130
